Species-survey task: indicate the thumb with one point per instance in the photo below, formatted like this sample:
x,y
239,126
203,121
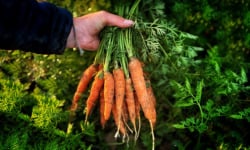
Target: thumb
x,y
115,20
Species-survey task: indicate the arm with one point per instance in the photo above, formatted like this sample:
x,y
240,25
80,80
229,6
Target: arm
x,y
44,28
32,26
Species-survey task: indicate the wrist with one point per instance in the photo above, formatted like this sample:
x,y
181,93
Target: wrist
x,y
71,39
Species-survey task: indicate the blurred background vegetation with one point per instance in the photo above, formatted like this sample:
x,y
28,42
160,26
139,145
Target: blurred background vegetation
x,y
203,105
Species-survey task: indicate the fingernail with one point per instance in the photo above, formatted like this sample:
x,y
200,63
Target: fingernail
x,y
128,22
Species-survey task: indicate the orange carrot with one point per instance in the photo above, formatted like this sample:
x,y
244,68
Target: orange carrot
x,y
108,94
83,84
149,89
96,87
119,79
130,101
102,120
137,114
125,113
139,83
150,92
137,107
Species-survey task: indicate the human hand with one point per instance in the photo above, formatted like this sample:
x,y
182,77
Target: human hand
x,y
88,27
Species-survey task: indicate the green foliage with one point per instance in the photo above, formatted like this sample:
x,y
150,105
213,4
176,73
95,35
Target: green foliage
x,y
11,102
79,7
202,93
210,92
15,141
243,114
221,23
35,98
47,113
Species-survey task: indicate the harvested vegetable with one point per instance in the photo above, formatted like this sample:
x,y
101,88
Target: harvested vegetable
x,y
123,56
95,90
83,84
130,101
102,119
109,86
119,92
139,83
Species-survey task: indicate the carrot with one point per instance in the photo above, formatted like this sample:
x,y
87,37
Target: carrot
x,y
102,120
137,107
149,89
139,83
130,101
96,87
108,94
150,92
119,79
125,114
82,85
137,114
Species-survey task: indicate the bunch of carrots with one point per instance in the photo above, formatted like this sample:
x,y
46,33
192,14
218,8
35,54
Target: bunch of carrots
x,y
117,78
118,82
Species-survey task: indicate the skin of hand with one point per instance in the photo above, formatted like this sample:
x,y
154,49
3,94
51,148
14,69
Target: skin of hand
x,y
88,27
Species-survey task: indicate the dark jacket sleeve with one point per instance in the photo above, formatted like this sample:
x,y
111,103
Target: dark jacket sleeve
x,y
32,26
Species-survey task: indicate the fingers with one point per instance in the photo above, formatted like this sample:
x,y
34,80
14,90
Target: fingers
x,y
115,20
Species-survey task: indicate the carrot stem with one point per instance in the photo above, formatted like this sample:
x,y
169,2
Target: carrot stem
x,y
134,9
108,54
